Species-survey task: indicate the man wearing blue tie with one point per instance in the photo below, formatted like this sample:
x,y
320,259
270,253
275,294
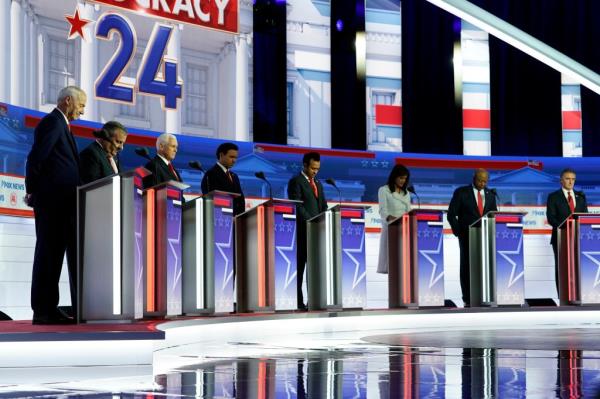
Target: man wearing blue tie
x,y
468,204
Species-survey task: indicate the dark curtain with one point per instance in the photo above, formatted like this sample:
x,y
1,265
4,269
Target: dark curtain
x,y
431,115
525,94
348,80
270,72
570,26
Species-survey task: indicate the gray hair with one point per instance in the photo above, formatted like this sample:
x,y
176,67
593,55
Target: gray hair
x,y
69,91
164,139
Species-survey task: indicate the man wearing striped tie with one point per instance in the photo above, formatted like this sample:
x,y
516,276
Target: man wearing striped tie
x,y
468,204
560,205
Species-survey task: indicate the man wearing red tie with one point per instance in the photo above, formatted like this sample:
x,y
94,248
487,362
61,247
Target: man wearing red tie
x,y
306,188
468,204
161,166
221,178
51,182
560,205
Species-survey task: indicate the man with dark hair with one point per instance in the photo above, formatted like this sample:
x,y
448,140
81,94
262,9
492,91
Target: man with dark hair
x,y
98,159
51,184
560,205
468,204
161,166
221,178
304,187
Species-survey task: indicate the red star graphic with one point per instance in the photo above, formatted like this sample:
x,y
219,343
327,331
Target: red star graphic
x,y
77,25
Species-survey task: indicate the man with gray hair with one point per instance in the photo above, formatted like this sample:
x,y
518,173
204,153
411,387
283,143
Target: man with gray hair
x,y
99,159
51,182
161,166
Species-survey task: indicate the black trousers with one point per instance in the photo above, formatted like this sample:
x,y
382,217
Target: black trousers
x,y
301,256
465,275
56,232
555,251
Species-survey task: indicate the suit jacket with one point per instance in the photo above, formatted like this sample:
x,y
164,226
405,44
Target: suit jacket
x,y
463,211
160,173
557,209
216,179
52,174
311,206
94,163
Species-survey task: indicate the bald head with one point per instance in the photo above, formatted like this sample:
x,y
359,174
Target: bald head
x,y
480,178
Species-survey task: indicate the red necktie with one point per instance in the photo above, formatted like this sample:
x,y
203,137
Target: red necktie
x,y
172,169
479,203
571,202
228,173
314,187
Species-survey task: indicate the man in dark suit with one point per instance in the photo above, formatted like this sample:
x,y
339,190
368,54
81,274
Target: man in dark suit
x,y
99,159
468,204
51,183
220,177
304,187
560,205
161,166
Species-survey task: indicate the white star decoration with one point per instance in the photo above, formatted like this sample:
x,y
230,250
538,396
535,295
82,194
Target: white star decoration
x,y
349,251
505,254
433,279
173,242
289,275
590,255
227,275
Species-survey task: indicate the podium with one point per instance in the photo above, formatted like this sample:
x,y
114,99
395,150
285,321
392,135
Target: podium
x,y
265,245
578,259
335,267
111,247
163,274
416,259
208,254
497,273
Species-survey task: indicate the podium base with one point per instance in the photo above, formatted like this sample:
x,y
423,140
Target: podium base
x,y
540,302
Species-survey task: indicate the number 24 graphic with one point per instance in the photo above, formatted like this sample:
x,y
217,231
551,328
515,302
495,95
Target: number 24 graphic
x,y
166,85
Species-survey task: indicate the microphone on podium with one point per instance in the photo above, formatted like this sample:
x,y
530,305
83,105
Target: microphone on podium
x,y
261,175
411,189
143,152
198,166
493,191
331,182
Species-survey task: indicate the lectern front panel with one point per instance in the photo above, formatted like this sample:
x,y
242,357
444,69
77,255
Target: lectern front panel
x,y
589,260
510,269
354,273
285,257
224,253
140,247
173,230
430,258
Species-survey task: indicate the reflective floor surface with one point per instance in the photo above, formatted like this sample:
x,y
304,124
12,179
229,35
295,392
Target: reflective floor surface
x,y
358,370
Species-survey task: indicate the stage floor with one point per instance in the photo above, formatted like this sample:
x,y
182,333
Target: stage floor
x,y
538,353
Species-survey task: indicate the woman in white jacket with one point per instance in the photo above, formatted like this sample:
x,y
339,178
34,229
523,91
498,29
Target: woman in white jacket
x,y
394,201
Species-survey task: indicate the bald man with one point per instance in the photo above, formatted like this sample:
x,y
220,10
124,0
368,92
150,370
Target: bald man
x,y
468,204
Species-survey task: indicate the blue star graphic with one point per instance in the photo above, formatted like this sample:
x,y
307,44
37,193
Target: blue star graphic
x,y
591,255
506,255
358,277
290,275
433,279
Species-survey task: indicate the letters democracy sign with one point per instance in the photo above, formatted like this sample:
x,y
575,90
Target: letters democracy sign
x,y
216,14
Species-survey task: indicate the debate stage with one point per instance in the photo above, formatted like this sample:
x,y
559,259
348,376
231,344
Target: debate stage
x,y
450,352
